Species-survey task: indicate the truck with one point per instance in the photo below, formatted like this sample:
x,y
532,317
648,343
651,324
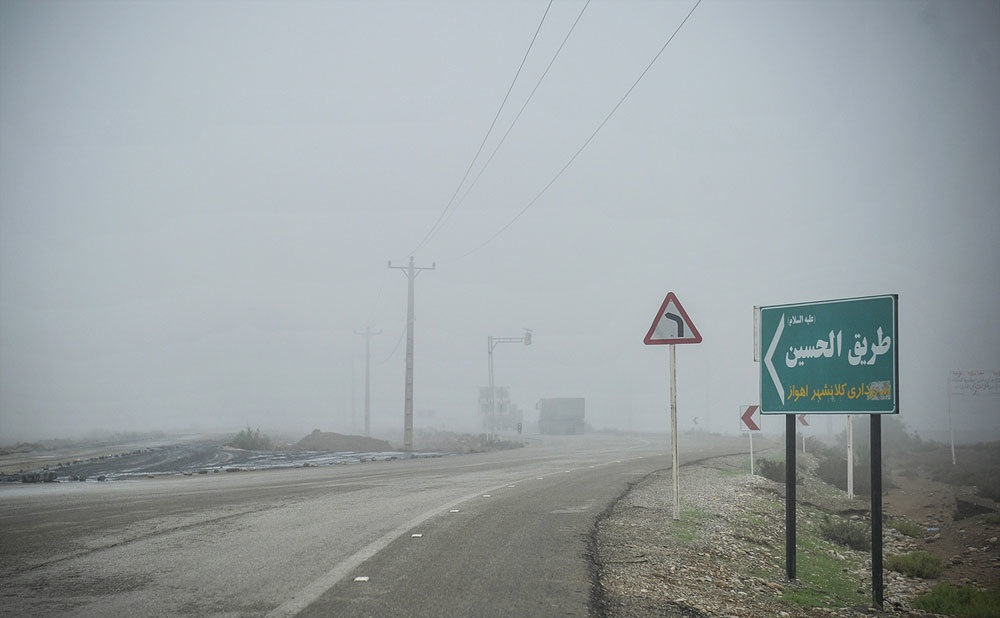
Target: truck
x,y
561,415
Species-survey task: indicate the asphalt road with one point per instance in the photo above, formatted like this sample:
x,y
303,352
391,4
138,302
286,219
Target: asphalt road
x,y
292,542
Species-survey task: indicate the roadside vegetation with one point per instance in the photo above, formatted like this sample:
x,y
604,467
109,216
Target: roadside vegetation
x,y
252,440
856,535
906,527
920,564
960,601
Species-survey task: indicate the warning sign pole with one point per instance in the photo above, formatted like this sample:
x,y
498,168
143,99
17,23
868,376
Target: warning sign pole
x,y
673,431
671,325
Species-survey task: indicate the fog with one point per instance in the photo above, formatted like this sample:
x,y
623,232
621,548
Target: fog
x,y
198,201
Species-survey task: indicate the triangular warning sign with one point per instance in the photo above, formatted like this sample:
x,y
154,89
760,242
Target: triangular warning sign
x,y
672,325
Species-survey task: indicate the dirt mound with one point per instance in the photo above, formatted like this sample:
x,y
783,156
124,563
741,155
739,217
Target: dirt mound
x,y
338,442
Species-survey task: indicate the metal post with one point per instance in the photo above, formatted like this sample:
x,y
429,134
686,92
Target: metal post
x,y
368,381
368,371
411,273
790,496
492,343
951,426
876,470
751,453
491,421
673,430
850,457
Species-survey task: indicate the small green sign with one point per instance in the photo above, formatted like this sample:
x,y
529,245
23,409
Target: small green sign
x,y
832,357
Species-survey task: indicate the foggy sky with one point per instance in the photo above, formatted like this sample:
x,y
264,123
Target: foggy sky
x,y
198,201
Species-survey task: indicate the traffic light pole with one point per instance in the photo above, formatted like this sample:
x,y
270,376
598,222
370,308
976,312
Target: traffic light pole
x,y
491,343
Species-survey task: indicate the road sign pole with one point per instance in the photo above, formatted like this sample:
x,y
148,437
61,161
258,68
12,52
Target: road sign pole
x,y
671,325
850,457
751,453
673,430
790,496
876,470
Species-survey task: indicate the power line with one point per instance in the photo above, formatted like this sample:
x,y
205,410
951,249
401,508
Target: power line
x,y
437,222
518,116
586,142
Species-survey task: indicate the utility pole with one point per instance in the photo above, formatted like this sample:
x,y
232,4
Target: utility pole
x,y
411,273
368,372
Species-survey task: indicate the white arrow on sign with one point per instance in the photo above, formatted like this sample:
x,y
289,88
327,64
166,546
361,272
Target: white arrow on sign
x,y
769,358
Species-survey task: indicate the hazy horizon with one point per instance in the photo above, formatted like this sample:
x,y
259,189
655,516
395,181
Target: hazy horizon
x,y
198,202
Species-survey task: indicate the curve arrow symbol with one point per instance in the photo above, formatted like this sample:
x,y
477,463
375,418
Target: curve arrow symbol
x,y
769,359
747,418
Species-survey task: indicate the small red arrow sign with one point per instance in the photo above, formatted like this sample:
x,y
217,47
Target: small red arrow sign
x,y
802,419
747,418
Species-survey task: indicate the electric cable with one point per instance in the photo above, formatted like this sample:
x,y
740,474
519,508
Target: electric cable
x,y
517,117
585,143
472,163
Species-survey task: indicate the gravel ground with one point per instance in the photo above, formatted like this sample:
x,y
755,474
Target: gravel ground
x,y
725,556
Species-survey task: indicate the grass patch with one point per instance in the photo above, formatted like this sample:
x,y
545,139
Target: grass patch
x,y
907,527
733,472
993,519
916,564
689,527
854,534
821,578
752,519
822,581
961,601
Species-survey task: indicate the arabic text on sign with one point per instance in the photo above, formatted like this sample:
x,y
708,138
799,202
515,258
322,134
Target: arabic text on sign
x,y
834,347
873,391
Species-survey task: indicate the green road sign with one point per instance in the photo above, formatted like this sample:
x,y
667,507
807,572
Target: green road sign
x,y
834,357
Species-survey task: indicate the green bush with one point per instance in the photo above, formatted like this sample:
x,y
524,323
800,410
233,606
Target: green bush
x,y
920,564
771,469
907,527
854,534
961,601
252,440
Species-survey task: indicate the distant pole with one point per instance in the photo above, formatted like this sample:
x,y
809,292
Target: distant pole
x,y
368,372
951,426
411,273
491,344
493,402
673,430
